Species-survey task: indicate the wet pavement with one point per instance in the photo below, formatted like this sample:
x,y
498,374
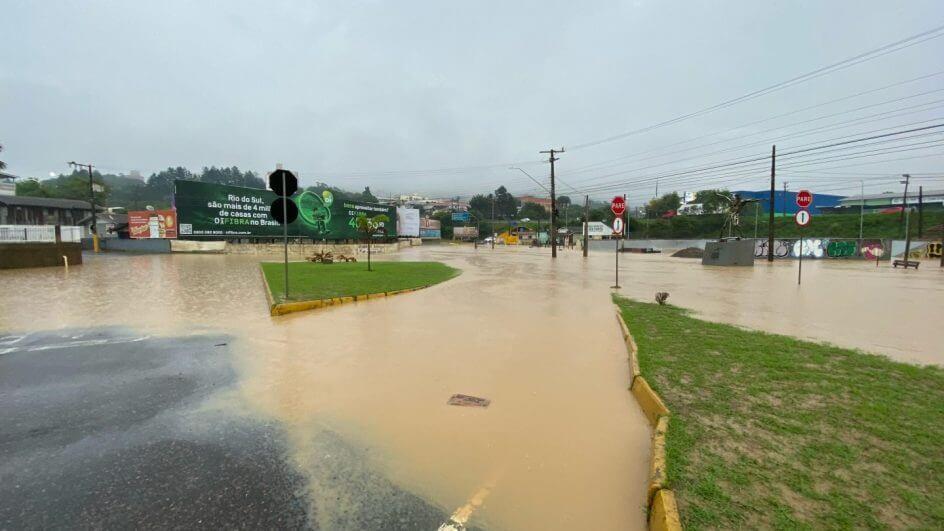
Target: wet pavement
x,y
195,408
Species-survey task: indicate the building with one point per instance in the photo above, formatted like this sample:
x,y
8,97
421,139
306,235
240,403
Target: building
x,y
21,210
931,199
7,183
542,201
785,202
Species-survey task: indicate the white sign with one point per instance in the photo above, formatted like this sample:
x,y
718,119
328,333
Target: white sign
x,y
408,222
618,226
803,218
597,228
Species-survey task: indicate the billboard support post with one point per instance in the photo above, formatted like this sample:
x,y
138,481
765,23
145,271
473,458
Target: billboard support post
x,y
285,235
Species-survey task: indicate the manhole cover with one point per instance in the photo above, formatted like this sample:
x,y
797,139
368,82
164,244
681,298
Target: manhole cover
x,y
469,401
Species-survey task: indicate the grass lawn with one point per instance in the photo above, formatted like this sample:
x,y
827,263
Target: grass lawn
x,y
768,431
308,281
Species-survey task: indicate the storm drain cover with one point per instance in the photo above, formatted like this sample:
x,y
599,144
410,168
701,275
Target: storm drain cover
x,y
469,401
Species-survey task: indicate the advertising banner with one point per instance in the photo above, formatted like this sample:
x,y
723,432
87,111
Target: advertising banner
x,y
430,234
152,223
408,222
216,210
465,232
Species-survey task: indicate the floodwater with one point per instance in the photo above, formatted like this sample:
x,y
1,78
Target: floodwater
x,y
562,445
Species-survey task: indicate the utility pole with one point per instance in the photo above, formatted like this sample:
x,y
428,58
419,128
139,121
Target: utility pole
x,y
94,228
493,220
586,225
783,198
861,210
904,200
551,158
920,211
907,216
770,228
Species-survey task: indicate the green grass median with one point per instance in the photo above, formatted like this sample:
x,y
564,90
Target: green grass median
x,y
309,281
769,431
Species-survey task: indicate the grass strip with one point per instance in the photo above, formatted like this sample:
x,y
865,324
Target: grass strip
x,y
308,281
769,431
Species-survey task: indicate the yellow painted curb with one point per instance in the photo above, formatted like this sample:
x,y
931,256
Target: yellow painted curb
x,y
660,501
300,306
649,401
657,460
664,515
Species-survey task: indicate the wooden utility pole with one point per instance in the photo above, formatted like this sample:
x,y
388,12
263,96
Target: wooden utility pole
x,y
94,227
904,200
773,185
586,225
551,158
920,211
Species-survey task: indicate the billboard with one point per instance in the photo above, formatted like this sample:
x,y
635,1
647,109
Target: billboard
x,y
408,222
216,210
152,223
465,232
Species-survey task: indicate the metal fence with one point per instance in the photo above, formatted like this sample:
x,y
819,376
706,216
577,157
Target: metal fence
x,y
39,233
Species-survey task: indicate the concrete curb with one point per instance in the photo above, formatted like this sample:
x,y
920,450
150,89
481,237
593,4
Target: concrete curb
x,y
660,501
300,306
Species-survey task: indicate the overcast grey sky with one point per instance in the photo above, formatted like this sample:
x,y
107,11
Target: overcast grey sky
x,y
360,92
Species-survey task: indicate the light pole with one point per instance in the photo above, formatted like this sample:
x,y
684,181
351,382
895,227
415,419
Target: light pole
x,y
94,228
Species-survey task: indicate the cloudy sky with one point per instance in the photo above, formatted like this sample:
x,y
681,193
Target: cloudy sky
x,y
442,98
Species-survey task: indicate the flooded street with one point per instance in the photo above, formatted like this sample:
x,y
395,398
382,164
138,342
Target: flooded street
x,y
354,396
562,446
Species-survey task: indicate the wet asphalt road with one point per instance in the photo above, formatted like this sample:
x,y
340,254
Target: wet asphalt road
x,y
112,429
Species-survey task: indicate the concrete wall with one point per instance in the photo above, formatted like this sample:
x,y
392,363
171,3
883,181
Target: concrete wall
x,y
16,255
304,250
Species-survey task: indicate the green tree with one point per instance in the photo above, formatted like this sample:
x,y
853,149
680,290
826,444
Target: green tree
x,y
3,165
445,221
563,200
160,186
532,211
506,206
369,226
481,205
367,196
711,201
658,207
31,188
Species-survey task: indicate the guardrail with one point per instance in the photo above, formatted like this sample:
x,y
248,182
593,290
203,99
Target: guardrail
x,y
39,233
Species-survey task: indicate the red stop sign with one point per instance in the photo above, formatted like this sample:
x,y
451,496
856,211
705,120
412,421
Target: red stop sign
x,y
804,198
618,206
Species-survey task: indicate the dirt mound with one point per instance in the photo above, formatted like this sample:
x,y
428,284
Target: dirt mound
x,y
689,252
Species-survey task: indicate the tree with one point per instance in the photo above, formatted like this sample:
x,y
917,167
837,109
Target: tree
x,y
710,200
506,206
369,226
481,205
3,165
532,211
31,188
445,223
160,186
367,196
563,200
667,202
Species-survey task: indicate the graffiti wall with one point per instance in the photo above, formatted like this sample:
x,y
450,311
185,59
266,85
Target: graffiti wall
x,y
870,249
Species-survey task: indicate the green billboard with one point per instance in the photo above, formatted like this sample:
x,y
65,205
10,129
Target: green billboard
x,y
216,210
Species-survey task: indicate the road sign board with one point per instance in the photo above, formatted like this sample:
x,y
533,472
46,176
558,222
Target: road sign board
x,y
275,182
804,198
291,210
618,205
618,226
460,216
803,218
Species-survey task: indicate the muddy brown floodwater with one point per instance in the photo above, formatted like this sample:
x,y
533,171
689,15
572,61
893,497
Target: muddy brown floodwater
x,y
562,445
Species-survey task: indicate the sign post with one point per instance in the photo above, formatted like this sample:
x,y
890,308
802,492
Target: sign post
x,y
802,219
618,207
284,184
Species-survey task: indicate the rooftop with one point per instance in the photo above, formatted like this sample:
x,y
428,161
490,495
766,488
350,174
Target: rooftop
x,y
45,202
